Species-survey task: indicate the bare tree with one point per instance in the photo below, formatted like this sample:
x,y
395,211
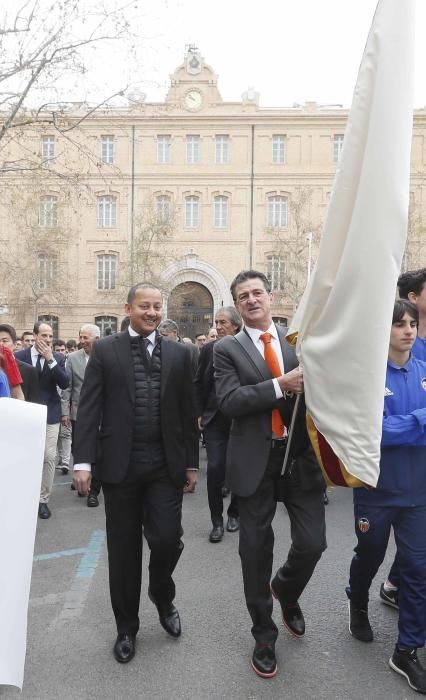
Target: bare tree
x,y
151,245
44,52
34,251
294,248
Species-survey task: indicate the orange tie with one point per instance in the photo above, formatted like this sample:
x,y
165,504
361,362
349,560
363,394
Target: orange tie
x,y
272,361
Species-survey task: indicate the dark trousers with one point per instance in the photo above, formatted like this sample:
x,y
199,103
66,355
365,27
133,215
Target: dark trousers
x,y
216,436
307,522
409,526
95,484
156,506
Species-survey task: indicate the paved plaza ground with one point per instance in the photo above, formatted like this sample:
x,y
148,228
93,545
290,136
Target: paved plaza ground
x,y
71,629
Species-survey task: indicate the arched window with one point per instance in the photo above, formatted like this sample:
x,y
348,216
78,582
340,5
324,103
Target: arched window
x,y
106,272
107,211
220,211
163,209
277,211
104,322
53,322
192,211
48,211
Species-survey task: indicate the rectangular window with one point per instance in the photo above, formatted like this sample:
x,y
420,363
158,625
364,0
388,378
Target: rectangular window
x,y
107,212
107,272
222,148
107,149
220,212
48,212
192,149
278,148
337,146
47,268
163,148
276,272
192,212
47,147
163,209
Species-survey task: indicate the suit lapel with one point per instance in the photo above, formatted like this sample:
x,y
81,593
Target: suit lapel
x,y
254,355
289,355
125,359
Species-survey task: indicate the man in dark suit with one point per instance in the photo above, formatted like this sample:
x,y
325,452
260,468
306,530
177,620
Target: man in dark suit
x,y
216,426
50,367
256,377
136,426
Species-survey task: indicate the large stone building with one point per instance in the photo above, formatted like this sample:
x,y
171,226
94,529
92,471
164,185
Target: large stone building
x,y
186,192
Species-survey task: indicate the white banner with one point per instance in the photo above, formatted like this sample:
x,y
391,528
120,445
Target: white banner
x,y
344,319
22,438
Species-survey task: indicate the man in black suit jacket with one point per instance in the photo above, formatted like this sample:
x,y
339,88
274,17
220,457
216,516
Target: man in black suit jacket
x,y
136,426
248,392
216,426
50,367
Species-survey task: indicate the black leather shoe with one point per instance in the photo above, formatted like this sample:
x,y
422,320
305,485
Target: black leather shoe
x,y
44,511
124,648
92,500
292,615
225,492
64,469
216,533
264,662
233,524
169,617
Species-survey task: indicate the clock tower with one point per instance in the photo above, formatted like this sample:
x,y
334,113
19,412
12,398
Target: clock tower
x,y
193,86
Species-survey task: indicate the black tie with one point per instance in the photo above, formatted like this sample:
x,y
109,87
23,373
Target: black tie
x,y
38,364
145,353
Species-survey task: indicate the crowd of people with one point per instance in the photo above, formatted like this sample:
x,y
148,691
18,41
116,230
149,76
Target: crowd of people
x,y
129,410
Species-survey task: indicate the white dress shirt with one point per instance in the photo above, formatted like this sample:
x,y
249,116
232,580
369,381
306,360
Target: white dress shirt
x,y
34,355
255,334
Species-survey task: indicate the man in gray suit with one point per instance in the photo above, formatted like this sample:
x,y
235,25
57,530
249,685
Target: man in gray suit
x,y
76,367
257,377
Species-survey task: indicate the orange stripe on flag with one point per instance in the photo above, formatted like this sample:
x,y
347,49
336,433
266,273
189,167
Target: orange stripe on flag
x,y
333,469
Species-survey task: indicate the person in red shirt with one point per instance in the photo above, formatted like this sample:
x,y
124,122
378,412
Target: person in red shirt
x,y
12,373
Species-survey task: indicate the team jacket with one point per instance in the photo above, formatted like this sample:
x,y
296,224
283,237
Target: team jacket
x,y
402,480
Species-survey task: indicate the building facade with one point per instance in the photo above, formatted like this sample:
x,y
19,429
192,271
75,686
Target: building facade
x,y
184,193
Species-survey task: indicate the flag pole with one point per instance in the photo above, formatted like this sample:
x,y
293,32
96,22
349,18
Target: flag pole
x,y
291,433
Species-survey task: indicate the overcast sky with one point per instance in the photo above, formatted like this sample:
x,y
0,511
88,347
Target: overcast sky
x,y
288,50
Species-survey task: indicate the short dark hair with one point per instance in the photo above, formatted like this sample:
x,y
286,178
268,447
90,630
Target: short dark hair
x,y
401,307
71,343
36,329
233,316
411,281
7,328
125,323
245,275
141,285
197,335
26,333
58,341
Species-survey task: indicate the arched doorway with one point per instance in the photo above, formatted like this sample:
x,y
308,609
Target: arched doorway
x,y
191,305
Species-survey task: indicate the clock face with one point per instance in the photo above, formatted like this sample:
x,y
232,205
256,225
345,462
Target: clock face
x,y
193,99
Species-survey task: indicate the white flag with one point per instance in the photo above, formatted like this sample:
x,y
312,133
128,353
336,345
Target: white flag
x,y
344,319
22,438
